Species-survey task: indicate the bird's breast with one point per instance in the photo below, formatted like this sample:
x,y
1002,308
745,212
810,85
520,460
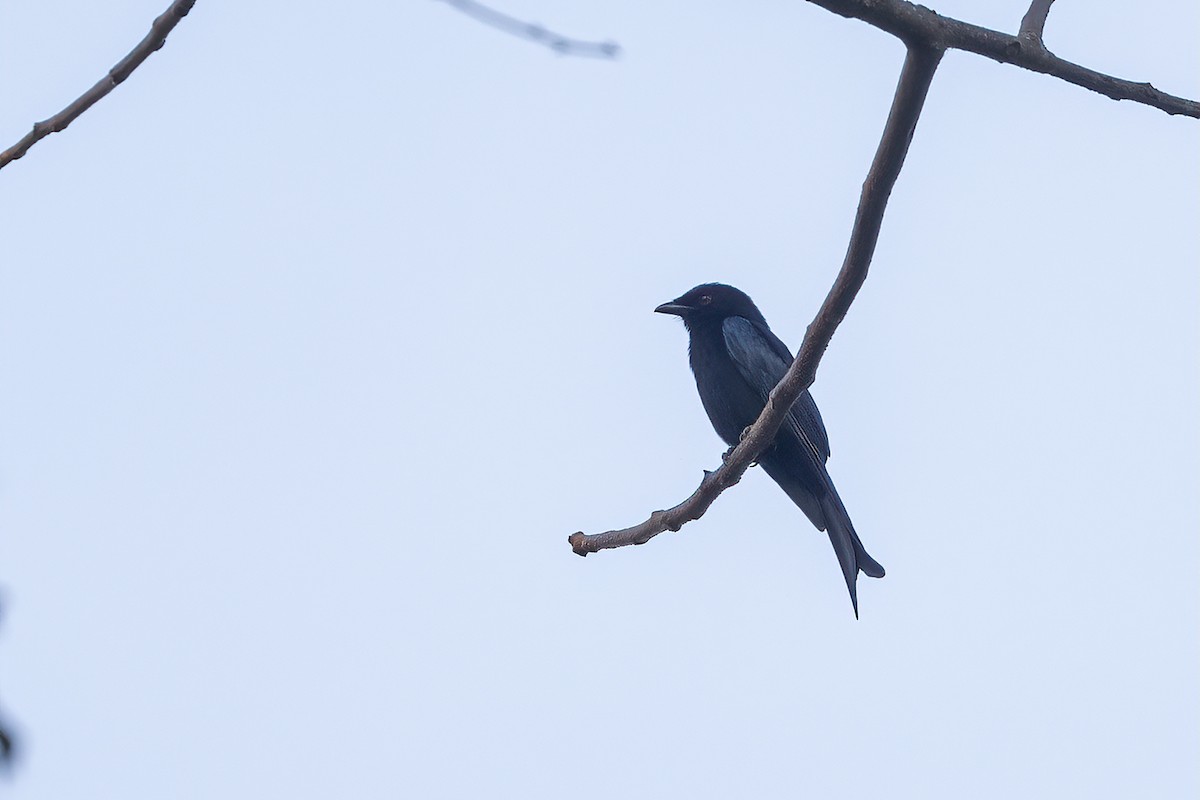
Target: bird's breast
x,y
730,402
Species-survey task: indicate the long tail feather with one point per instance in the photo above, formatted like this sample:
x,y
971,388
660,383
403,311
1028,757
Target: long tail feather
x,y
851,554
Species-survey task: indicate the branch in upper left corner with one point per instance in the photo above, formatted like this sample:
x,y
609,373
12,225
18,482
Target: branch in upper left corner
x,y
151,43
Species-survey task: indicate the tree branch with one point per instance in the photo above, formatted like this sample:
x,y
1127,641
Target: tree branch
x,y
563,45
913,23
919,68
1034,21
155,39
6,748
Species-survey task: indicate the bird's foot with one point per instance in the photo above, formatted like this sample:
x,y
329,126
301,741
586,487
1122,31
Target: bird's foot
x,y
725,456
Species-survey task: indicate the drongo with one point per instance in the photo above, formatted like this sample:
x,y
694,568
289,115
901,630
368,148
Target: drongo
x,y
737,361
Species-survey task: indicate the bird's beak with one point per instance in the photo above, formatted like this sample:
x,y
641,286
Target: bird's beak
x,y
672,308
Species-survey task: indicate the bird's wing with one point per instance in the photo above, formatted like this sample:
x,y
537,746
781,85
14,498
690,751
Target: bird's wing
x,y
805,410
762,359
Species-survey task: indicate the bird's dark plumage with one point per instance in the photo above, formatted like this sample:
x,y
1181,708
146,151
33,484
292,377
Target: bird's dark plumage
x,y
737,361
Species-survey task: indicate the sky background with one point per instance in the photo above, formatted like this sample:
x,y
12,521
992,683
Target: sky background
x,y
322,332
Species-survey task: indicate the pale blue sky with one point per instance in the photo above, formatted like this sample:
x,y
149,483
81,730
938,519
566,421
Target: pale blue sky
x,y
320,334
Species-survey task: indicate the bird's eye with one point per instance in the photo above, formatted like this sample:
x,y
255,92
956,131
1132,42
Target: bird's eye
x,y
705,299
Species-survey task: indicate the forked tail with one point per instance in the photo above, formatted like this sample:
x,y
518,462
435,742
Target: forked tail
x,y
851,554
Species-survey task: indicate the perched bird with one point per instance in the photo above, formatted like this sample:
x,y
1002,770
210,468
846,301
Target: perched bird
x,y
737,361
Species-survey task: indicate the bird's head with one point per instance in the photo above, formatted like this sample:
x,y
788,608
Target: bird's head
x,y
712,302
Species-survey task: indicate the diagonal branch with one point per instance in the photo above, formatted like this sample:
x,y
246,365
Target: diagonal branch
x,y
913,23
563,45
919,68
155,39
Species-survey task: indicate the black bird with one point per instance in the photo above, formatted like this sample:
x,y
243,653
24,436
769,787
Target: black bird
x,y
737,361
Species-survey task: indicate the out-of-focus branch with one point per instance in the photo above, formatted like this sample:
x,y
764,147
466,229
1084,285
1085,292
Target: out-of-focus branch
x,y
563,45
913,23
919,68
1034,21
6,747
155,39
6,741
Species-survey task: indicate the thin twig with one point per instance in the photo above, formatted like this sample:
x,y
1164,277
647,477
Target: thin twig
x,y
563,45
1034,21
919,68
913,23
155,39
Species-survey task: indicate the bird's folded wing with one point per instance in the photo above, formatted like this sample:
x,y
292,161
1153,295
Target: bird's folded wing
x,y
762,359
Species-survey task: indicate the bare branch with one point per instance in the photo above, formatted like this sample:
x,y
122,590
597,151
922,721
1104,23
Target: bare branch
x,y
155,39
1034,21
563,45
919,68
913,24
